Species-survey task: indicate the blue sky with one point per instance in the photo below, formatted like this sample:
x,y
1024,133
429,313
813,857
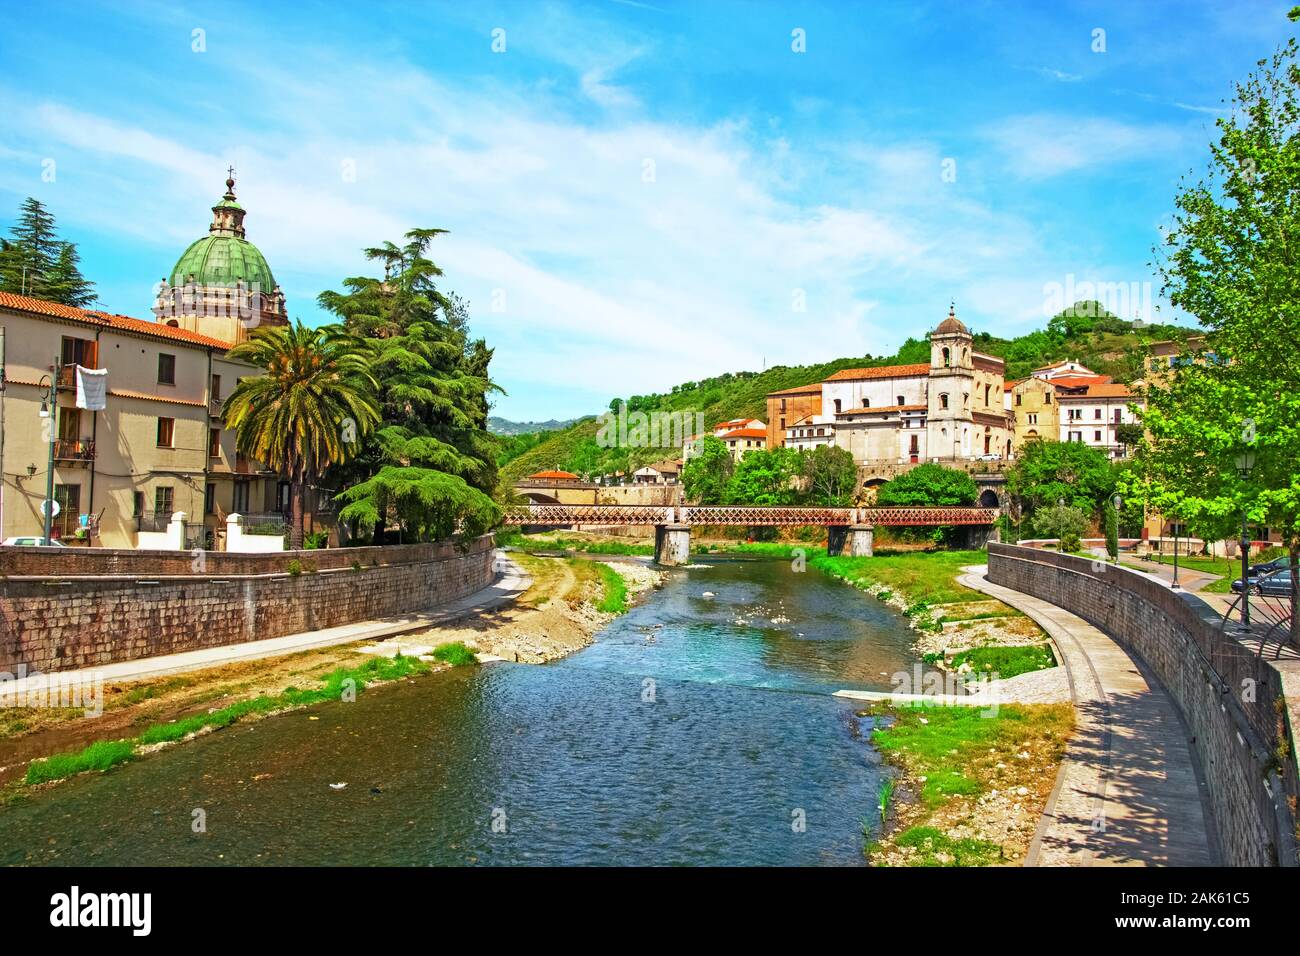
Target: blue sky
x,y
638,193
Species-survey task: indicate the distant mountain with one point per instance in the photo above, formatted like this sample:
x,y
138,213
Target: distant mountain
x,y
503,426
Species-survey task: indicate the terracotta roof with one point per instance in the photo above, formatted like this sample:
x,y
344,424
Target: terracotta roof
x,y
813,389
745,433
128,393
1011,383
123,323
882,371
555,474
1109,390
1078,381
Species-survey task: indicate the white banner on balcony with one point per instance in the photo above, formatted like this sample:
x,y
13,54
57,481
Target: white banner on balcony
x,y
92,388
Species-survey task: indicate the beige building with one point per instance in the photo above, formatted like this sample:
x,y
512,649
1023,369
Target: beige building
x,y
158,447
947,410
1037,411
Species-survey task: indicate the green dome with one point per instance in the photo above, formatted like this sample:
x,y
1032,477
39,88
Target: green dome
x,y
218,260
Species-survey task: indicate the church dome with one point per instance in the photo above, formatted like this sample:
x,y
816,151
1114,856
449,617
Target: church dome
x,y
224,258
218,260
952,324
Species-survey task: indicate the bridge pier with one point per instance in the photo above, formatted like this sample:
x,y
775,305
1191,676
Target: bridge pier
x,y
975,537
861,540
672,544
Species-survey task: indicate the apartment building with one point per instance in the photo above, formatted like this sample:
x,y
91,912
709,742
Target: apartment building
x,y
158,446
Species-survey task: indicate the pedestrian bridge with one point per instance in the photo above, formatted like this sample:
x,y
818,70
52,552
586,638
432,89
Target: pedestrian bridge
x,y
850,528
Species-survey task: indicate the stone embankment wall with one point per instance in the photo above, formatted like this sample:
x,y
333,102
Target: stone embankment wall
x,y
1233,701
64,608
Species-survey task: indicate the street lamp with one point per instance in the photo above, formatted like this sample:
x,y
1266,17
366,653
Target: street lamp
x,y
1117,501
1245,460
50,410
1174,584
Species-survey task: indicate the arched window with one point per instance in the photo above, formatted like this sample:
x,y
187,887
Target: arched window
x,y
837,406
943,399
947,357
987,390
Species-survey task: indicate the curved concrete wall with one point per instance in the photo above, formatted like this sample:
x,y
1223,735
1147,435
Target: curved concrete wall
x,y
100,607
1234,703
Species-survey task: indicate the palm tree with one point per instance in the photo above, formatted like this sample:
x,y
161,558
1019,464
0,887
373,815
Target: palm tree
x,y
311,408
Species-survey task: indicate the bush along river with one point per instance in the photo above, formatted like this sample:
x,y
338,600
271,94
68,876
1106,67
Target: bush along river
x,y
699,728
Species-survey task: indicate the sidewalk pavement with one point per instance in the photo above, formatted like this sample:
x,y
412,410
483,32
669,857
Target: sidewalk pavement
x,y
1129,792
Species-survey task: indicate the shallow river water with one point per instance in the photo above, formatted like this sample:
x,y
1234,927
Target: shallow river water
x,y
695,730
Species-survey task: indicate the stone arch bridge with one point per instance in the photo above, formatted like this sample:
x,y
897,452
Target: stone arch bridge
x,y
848,530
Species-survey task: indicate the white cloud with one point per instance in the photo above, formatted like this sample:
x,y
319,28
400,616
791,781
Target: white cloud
x,y
614,282
1043,145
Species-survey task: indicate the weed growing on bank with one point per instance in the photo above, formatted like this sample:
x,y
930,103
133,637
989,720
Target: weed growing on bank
x,y
102,755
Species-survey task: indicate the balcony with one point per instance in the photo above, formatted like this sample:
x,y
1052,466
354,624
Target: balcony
x,y
215,407
68,376
70,451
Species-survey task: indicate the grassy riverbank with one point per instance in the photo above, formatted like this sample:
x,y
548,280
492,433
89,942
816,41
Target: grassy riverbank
x,y
972,783
340,684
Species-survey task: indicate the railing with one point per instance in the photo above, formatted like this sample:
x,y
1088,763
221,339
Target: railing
x,y
215,407
67,449
153,520
561,515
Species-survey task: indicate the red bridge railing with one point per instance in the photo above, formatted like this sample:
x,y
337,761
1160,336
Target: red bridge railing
x,y
746,516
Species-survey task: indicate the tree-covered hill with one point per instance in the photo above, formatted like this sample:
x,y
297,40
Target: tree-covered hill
x,y
1086,333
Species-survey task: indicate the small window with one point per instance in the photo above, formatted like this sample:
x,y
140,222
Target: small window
x,y
943,399
1096,436
137,504
837,406
216,388
163,500
210,499
1018,399
166,369
900,400
166,431
214,442
240,504
1047,398
1096,413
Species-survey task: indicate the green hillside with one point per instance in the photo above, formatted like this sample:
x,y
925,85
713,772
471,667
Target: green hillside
x,y
1086,333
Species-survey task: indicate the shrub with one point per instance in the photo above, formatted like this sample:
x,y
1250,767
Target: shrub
x,y
454,653
294,567
98,756
1062,522
316,540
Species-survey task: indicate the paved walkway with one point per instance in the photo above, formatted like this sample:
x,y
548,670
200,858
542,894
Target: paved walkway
x,y
511,581
1128,792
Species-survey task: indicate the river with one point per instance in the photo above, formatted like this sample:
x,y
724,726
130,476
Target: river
x,y
694,730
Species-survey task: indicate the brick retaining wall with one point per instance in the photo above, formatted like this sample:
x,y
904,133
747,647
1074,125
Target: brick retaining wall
x,y
99,606
1238,735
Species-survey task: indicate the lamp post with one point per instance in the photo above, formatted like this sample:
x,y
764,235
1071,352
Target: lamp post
x,y
1117,501
50,411
1174,584
1245,462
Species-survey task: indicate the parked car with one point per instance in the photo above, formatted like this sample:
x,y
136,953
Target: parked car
x,y
1268,567
1275,581
32,541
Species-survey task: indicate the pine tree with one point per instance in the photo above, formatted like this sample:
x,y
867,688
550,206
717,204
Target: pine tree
x,y
35,262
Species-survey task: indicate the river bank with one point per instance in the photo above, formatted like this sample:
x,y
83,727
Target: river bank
x,y
558,614
972,784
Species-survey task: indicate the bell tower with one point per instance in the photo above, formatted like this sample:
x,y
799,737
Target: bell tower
x,y
951,387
